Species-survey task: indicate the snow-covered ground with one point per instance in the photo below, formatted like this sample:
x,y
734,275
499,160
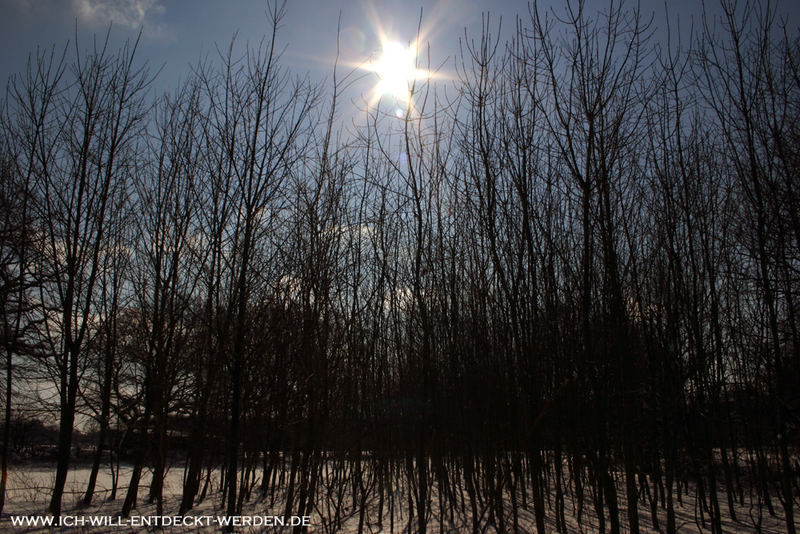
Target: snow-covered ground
x,y
29,492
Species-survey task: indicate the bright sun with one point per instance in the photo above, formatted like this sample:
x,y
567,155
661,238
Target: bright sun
x,y
397,71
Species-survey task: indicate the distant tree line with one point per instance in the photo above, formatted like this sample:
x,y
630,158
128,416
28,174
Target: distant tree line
x,y
575,268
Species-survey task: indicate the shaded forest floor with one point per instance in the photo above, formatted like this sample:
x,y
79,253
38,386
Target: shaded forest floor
x,y
29,492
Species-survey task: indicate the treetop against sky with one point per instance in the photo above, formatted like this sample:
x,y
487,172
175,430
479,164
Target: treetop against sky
x,y
372,34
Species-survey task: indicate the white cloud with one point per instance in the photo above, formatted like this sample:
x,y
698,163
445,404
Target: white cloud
x,y
128,13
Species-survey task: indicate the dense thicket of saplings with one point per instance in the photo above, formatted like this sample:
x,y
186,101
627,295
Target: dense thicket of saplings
x,y
576,273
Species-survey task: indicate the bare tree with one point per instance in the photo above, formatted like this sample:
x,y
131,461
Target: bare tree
x,y
93,123
259,117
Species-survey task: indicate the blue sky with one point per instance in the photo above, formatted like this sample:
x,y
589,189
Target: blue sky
x,y
176,33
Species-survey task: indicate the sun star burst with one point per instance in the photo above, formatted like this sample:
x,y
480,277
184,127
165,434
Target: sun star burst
x,y
397,71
